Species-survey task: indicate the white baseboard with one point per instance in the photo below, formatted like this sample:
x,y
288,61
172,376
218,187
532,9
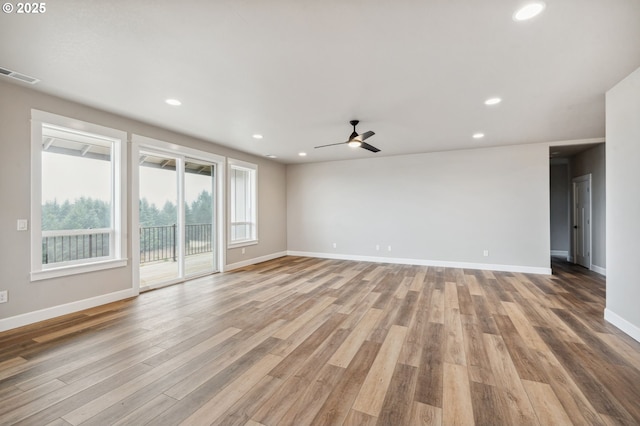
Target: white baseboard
x,y
560,253
622,324
599,269
424,262
67,308
570,259
253,261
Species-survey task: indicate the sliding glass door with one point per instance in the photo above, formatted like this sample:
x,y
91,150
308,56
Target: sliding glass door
x,y
199,218
177,222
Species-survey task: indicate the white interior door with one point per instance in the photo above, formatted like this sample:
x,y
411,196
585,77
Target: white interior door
x,y
582,220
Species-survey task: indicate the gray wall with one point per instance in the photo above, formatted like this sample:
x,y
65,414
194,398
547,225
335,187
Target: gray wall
x,y
446,206
623,204
16,103
593,161
559,187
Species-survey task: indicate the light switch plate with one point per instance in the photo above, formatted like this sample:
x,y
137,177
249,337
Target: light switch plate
x,y
23,224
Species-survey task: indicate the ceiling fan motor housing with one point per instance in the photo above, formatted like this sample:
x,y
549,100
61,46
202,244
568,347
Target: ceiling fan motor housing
x,y
354,134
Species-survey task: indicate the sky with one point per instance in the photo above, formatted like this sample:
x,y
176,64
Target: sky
x,y
68,178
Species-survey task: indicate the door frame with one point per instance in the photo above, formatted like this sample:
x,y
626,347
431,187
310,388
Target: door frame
x,y
574,215
141,143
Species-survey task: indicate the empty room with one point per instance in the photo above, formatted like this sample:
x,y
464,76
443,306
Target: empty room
x,y
319,213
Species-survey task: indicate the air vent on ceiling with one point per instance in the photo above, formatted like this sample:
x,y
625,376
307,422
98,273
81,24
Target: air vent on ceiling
x,y
18,76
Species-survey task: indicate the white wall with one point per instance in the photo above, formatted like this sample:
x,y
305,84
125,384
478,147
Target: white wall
x,y
623,204
430,208
38,300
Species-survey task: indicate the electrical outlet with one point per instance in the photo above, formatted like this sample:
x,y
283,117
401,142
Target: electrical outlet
x,y
377,247
23,225
485,253
243,250
4,296
388,248
335,245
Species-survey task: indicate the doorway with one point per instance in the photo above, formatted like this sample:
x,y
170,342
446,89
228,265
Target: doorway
x,y
582,220
578,204
177,213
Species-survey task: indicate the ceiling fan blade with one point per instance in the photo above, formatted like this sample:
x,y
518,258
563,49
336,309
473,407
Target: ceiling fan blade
x,y
369,147
366,135
362,137
331,144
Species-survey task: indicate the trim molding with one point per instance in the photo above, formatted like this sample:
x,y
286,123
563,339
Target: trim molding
x,y
622,324
563,253
255,260
425,262
577,141
599,269
64,271
67,308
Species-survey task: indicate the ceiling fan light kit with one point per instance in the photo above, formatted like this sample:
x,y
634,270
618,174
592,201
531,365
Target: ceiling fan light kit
x,y
356,140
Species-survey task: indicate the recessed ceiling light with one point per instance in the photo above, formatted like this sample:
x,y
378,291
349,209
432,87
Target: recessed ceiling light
x,y
478,135
257,136
173,102
529,11
302,154
492,101
271,156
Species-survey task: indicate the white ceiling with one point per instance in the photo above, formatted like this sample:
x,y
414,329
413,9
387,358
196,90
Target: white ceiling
x,y
414,71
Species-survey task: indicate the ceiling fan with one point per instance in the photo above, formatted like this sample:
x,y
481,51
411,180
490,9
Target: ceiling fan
x,y
356,140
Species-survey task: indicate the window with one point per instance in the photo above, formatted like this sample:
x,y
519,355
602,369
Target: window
x,y
242,203
78,208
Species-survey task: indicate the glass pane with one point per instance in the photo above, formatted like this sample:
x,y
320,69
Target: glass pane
x,y
76,196
242,220
158,219
199,229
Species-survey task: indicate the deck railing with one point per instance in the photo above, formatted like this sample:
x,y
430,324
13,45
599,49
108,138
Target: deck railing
x,y
77,244
198,238
160,242
156,243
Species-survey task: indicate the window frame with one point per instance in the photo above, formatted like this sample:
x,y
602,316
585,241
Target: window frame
x,y
118,229
253,169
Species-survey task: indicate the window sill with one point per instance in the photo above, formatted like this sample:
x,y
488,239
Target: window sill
x,y
77,269
242,244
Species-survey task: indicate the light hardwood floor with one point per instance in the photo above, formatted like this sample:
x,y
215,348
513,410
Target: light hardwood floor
x,y
299,341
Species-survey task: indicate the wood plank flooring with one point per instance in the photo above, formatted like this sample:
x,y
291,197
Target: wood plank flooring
x,y
298,341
